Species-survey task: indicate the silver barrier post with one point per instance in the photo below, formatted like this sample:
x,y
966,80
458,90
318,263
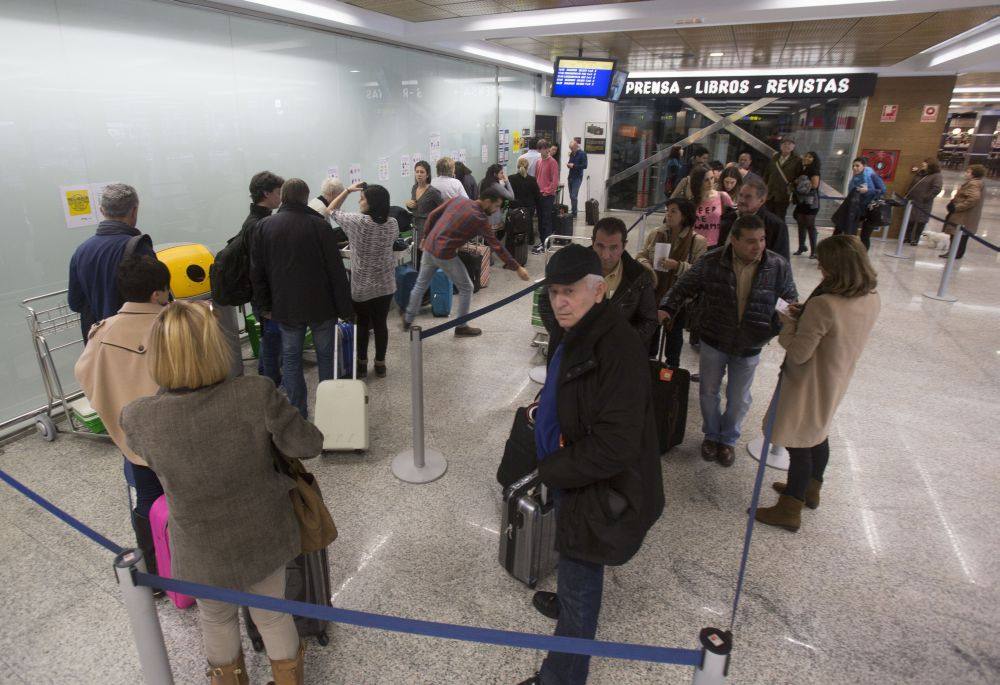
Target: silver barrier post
x,y
898,254
716,646
942,291
142,616
419,464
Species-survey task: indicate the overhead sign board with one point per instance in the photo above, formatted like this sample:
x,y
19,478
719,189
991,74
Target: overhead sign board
x,y
804,86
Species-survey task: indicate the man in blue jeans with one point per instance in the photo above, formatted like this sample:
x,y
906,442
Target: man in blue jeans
x,y
576,164
739,285
595,435
299,280
449,227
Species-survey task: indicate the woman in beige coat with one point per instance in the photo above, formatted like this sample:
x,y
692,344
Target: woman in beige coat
x,y
113,371
966,208
211,441
823,339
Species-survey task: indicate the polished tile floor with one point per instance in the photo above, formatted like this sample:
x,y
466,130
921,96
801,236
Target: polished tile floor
x,y
893,580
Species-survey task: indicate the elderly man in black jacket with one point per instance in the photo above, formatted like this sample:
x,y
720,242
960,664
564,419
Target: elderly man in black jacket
x,y
750,201
630,286
299,280
597,448
739,286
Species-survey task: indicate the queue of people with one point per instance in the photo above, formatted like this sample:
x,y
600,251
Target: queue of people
x,y
150,364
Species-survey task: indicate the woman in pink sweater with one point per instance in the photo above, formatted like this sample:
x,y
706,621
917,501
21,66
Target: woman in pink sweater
x,y
709,204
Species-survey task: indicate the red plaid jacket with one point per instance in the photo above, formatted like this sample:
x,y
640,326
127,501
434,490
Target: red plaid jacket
x,y
455,223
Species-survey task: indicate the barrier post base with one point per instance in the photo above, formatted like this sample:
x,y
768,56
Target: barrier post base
x,y
716,645
897,256
404,468
777,457
941,298
538,374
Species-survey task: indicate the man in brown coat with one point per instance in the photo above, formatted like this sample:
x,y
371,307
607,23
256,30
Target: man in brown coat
x,y
114,370
966,208
780,175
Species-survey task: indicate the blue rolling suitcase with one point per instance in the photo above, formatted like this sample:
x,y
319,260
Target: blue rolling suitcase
x,y
406,278
440,294
345,350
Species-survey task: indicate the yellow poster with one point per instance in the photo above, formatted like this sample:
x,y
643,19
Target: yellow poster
x,y
517,139
78,202
78,209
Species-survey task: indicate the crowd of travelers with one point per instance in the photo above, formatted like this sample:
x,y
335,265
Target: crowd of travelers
x,y
158,371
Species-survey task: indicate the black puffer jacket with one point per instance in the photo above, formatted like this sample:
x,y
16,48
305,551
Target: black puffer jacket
x,y
712,279
606,418
635,298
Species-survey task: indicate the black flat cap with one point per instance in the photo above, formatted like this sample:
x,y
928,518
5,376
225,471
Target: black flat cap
x,y
572,263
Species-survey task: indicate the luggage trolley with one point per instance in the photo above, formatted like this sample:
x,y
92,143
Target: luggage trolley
x,y
49,317
541,340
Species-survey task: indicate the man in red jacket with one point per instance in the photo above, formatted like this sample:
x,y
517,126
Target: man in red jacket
x,y
547,175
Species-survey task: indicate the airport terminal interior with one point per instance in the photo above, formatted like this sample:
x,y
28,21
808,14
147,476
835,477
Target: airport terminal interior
x,y
893,579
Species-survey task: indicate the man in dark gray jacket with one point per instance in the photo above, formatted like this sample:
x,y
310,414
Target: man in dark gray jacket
x,y
630,286
299,280
739,286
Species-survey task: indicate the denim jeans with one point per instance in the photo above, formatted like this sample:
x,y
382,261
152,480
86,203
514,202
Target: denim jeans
x,y
546,205
717,426
574,191
580,588
269,359
454,269
293,338
147,486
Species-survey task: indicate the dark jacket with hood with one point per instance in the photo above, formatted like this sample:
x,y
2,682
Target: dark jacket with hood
x,y
297,271
605,410
713,279
635,298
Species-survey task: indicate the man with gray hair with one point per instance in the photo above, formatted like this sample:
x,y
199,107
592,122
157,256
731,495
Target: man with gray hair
x,y
93,269
331,188
750,201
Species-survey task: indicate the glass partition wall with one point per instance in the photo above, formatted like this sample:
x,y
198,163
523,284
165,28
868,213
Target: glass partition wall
x,y
642,128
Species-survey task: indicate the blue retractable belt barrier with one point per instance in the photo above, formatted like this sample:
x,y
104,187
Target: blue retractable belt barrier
x,y
765,449
60,514
980,240
506,638
458,321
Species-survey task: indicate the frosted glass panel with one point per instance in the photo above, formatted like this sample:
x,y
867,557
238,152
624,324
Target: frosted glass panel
x,y
186,104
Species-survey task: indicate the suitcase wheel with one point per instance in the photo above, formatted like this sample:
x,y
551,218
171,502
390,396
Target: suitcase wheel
x,y
258,644
323,639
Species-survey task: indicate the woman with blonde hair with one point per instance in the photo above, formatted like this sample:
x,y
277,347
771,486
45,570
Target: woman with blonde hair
x,y
211,442
823,339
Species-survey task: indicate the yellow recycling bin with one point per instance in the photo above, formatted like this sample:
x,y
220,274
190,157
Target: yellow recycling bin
x,y
188,264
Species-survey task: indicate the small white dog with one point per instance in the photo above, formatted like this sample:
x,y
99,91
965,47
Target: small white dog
x,y
939,241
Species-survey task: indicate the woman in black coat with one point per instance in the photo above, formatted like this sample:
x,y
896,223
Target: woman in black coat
x,y
925,186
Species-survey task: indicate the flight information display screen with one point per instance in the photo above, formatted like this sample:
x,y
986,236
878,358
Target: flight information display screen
x,y
579,77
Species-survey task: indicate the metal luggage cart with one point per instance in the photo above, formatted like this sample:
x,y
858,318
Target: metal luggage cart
x,y
50,319
552,244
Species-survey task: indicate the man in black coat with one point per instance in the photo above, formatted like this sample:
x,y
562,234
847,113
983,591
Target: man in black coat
x,y
299,280
750,200
595,434
630,286
265,194
738,286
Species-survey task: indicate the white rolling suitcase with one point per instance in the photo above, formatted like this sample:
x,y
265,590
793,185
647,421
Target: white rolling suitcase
x,y
342,405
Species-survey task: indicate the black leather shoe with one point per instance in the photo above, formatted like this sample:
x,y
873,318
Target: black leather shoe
x,y
547,604
533,680
727,455
801,250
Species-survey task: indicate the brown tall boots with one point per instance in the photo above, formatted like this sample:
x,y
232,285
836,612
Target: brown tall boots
x,y
812,491
288,671
230,674
787,513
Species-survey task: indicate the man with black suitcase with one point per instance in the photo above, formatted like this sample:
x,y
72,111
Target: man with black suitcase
x,y
595,436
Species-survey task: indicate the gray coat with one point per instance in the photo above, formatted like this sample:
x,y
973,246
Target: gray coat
x,y
922,191
231,521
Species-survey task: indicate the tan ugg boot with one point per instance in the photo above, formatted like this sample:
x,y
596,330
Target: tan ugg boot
x,y
812,492
289,671
230,674
787,513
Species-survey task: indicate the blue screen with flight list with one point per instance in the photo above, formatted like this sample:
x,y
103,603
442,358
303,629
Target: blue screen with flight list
x,y
582,78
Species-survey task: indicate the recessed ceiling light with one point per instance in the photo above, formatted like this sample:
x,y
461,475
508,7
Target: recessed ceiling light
x,y
355,71
978,89
716,54
975,99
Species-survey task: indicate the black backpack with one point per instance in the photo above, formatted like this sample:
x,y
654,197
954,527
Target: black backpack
x,y
230,274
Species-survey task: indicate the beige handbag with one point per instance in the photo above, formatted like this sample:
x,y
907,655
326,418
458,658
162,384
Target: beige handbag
x,y
316,527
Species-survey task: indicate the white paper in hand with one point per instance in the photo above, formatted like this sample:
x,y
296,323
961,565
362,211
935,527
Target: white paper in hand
x,y
662,253
782,307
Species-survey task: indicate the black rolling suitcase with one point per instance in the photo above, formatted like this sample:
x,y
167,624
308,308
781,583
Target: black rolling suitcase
x,y
474,265
518,233
670,397
307,579
592,210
